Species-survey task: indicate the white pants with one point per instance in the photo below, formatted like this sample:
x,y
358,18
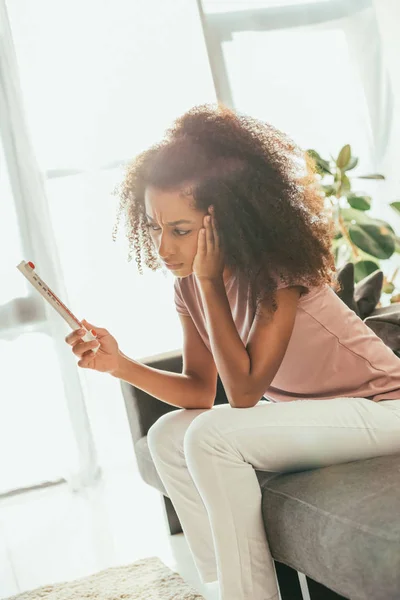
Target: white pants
x,y
206,460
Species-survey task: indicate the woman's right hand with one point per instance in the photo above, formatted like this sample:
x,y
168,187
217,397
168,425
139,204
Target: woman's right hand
x,y
105,360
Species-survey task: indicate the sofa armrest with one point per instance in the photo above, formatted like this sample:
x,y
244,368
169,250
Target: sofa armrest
x,y
143,410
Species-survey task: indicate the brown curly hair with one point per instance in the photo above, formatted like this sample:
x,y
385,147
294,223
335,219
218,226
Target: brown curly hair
x,y
269,211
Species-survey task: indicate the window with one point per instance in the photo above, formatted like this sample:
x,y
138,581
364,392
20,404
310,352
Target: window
x,y
295,65
36,441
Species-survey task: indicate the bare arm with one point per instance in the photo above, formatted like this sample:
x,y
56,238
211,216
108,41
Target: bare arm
x,y
247,371
176,389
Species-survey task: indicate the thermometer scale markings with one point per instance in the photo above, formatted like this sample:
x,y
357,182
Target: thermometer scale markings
x,y
56,303
51,294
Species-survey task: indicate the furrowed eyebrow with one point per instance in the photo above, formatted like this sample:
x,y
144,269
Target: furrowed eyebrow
x,y
172,223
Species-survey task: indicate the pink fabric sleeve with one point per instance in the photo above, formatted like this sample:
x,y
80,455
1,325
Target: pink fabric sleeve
x,y
283,284
179,301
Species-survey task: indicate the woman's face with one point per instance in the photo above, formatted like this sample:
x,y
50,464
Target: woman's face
x,y
174,228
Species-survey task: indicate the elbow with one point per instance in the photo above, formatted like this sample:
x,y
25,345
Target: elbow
x,y
247,399
200,404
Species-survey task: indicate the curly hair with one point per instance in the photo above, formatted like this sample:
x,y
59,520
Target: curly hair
x,y
270,214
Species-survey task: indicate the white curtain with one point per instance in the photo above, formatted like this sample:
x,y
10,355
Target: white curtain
x,y
388,19
84,86
21,314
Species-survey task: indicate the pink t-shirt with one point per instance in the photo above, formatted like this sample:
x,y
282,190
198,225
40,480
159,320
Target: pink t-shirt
x,y
331,353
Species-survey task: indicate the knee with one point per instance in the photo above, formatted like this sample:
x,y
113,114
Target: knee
x,y
163,430
178,426
199,430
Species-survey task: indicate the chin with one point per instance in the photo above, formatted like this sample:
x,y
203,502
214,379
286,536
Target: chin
x,y
183,272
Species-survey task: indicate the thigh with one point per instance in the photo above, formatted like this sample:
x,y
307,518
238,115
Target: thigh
x,y
175,423
303,434
392,405
172,425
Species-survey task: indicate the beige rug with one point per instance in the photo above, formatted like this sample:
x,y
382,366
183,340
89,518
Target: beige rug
x,y
146,579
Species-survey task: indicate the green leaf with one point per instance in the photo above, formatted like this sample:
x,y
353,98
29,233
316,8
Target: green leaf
x,y
395,206
345,185
363,268
373,236
329,190
344,157
322,166
361,217
359,202
352,163
337,185
374,176
374,239
388,287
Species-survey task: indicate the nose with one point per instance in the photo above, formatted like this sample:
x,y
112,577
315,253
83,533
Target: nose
x,y
166,247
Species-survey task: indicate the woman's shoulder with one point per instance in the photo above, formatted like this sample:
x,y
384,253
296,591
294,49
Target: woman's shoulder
x,y
283,281
186,287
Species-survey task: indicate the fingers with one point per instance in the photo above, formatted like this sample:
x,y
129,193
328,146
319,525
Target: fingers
x,y
201,243
208,237
86,359
214,228
212,237
78,346
90,326
209,232
75,336
82,347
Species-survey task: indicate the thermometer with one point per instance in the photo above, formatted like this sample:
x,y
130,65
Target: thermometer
x,y
28,270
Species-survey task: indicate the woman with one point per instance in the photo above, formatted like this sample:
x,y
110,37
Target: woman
x,y
230,205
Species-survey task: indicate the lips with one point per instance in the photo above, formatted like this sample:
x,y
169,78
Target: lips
x,y
173,265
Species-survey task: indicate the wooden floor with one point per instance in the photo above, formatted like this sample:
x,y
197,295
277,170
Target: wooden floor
x,y
54,535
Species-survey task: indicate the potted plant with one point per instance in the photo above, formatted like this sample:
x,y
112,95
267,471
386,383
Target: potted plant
x,y
359,238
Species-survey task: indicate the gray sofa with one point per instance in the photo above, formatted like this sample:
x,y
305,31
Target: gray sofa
x,y
338,525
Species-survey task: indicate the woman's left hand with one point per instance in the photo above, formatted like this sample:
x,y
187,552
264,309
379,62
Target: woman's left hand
x,y
208,263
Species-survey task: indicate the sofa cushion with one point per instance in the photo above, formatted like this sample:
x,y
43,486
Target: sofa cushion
x,y
367,293
385,322
345,276
340,525
363,299
363,296
146,466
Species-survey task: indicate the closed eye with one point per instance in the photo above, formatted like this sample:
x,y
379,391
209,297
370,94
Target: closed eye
x,y
180,232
